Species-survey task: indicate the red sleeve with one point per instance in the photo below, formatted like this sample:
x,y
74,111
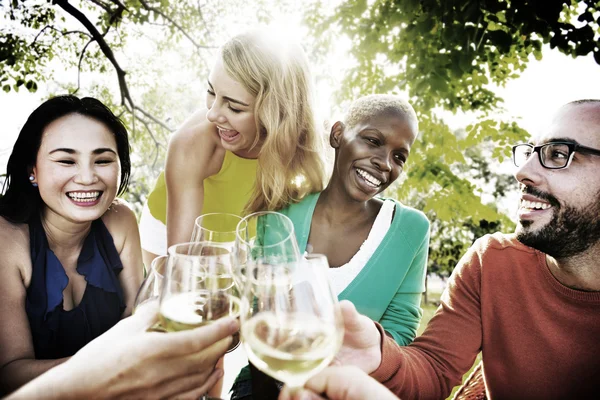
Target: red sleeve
x,y
435,362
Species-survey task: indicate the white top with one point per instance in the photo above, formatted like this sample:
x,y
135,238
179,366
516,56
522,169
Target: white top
x,y
340,278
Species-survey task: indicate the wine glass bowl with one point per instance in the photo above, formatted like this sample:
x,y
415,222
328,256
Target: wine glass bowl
x,y
291,321
151,286
198,287
215,227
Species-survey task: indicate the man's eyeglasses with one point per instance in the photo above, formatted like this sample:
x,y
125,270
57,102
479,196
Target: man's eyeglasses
x,y
553,155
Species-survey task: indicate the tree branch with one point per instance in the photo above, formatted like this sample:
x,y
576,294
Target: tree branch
x,y
102,5
104,47
119,4
176,25
157,144
153,118
63,33
126,99
79,65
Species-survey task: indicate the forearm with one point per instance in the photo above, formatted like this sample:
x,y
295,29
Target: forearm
x,y
17,373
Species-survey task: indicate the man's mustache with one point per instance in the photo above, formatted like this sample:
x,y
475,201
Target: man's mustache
x,y
542,195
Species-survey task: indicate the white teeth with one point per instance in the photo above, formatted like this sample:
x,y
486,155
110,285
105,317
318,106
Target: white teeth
x,y
534,205
369,178
228,132
84,196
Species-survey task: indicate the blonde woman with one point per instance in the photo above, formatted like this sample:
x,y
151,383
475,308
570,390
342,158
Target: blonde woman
x,y
254,147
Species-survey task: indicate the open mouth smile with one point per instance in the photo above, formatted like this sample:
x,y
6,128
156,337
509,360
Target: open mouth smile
x,y
85,198
534,205
368,178
228,135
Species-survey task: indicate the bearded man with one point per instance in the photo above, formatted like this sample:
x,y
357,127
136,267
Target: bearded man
x,y
529,301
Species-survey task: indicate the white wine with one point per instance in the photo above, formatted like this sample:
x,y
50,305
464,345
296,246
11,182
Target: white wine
x,y
219,282
190,310
290,347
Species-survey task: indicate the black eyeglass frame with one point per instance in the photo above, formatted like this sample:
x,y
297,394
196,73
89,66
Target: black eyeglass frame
x,y
573,147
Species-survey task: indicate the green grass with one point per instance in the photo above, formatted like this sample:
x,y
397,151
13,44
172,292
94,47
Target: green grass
x,y
428,312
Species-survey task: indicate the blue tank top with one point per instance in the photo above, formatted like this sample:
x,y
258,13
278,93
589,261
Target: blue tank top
x,y
58,333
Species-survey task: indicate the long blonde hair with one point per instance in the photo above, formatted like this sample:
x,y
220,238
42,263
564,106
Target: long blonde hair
x,y
290,163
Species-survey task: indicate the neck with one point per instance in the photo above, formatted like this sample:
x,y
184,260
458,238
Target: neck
x,y
580,272
63,234
337,206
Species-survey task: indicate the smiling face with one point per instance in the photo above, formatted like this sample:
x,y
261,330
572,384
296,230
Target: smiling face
x,y
231,109
77,169
371,154
559,211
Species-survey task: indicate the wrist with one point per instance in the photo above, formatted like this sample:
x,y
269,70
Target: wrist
x,y
376,354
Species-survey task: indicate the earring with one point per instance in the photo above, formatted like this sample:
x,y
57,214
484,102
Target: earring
x,y
31,179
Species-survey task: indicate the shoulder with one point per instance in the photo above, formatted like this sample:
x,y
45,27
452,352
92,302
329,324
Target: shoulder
x,y
301,210
412,222
306,201
14,248
120,221
196,149
500,243
12,234
195,133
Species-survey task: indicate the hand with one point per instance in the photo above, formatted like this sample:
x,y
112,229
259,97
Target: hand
x,y
127,361
339,383
362,340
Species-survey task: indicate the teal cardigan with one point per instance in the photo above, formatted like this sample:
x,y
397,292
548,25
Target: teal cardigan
x,y
388,289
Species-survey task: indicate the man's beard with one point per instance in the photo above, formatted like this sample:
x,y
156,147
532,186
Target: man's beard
x,y
570,232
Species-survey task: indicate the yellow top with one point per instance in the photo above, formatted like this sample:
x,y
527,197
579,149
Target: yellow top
x,y
227,191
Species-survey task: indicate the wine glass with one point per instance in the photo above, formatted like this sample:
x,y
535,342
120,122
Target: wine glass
x,y
291,322
150,289
292,326
216,227
152,284
267,236
198,287
219,228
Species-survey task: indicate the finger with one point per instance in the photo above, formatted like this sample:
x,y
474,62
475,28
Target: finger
x,y
347,383
195,340
198,392
298,394
204,361
190,387
144,317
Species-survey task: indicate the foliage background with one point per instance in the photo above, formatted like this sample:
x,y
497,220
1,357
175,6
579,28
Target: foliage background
x,y
148,60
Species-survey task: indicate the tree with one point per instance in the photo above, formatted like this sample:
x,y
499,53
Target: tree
x,y
447,55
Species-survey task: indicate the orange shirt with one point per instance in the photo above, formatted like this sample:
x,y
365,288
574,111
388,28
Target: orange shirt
x,y
539,339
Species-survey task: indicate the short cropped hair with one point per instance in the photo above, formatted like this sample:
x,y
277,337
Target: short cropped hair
x,y
374,105
584,101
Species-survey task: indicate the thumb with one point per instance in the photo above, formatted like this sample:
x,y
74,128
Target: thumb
x,y
143,318
351,317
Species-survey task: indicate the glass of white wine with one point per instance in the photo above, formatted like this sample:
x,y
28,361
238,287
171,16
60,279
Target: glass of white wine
x,y
220,229
198,287
291,322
